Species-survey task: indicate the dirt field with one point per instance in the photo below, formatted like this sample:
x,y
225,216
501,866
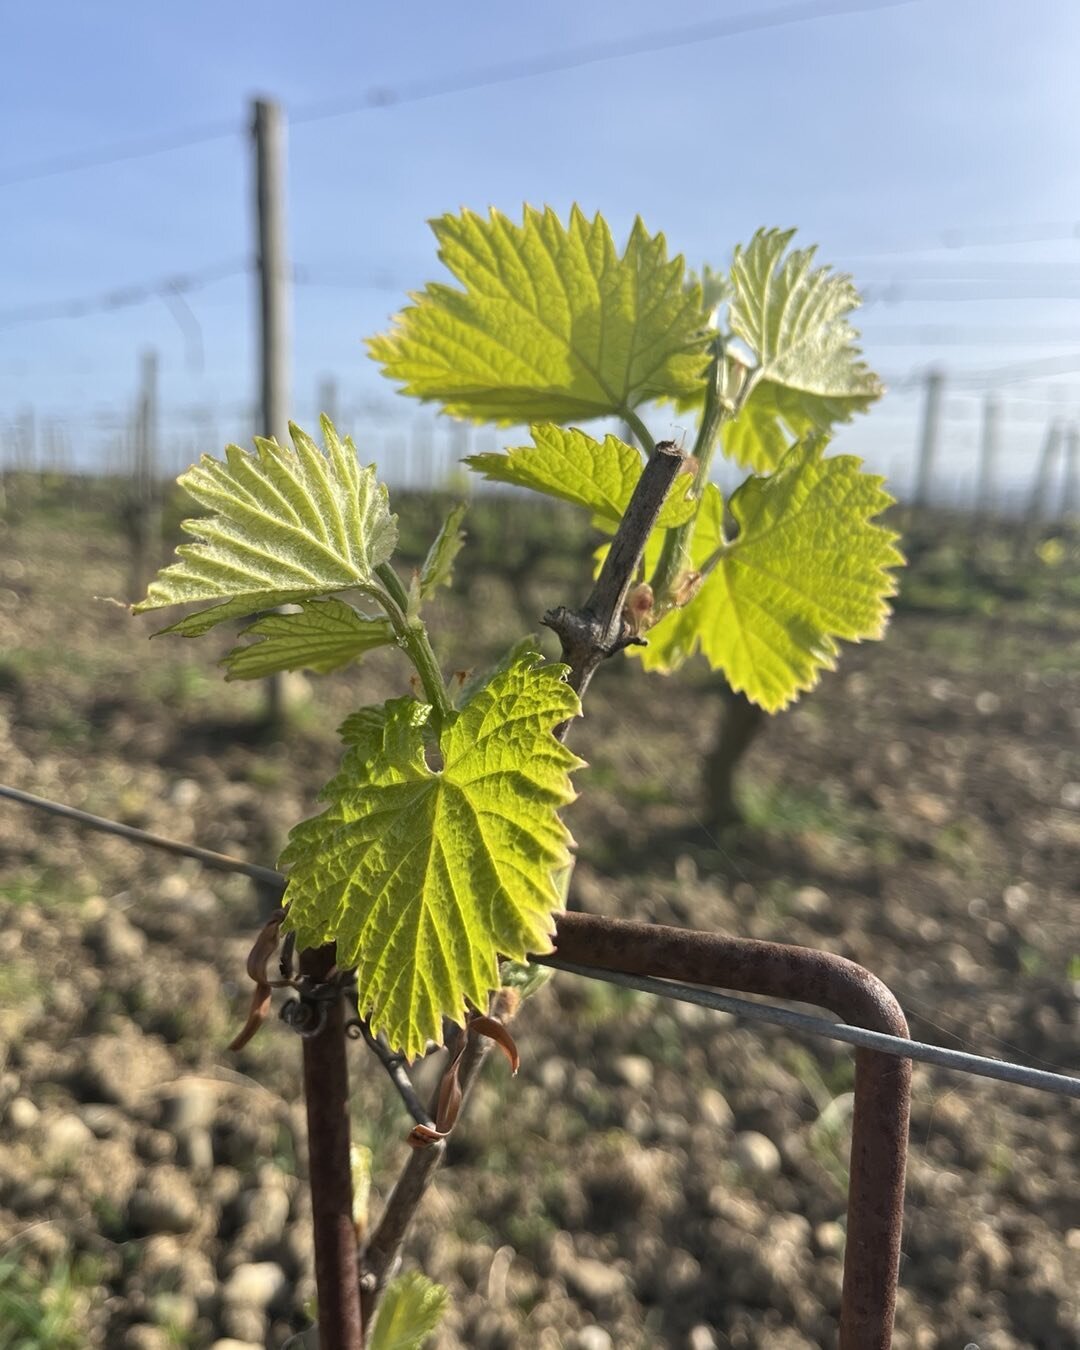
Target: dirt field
x,y
657,1176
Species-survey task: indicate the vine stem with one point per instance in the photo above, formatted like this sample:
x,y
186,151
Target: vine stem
x,y
599,629
326,1098
589,635
722,404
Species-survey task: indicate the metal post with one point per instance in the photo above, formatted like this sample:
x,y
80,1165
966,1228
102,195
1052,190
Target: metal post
x,y
929,436
879,1132
1070,501
988,456
144,522
269,133
1039,501
328,399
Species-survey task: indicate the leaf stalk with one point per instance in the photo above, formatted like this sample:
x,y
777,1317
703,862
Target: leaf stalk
x,y
412,634
722,404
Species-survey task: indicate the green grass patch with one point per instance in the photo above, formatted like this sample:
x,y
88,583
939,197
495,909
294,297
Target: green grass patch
x,y
47,1311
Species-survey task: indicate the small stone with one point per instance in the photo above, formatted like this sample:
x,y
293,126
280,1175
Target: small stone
x,y
810,901
715,1109
105,1122
184,793
598,1285
636,1071
265,1211
756,1154
155,1145
671,1127
553,1076
165,1203
115,940
255,1285
120,1068
929,807
65,1000
175,1311
65,1138
31,1196
144,1337
21,1115
593,1338
225,1186
701,1338
245,1323
829,1238
987,702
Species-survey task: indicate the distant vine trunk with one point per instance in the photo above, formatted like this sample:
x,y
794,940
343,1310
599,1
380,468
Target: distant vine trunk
x,y
740,723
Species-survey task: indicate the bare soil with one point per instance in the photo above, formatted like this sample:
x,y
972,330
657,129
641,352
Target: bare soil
x,y
657,1175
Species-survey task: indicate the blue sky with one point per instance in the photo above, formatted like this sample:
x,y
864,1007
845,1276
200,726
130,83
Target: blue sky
x,y
872,132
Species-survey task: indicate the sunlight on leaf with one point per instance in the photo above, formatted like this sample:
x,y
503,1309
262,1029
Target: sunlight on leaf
x,y
551,324
411,1309
289,523
808,566
324,636
568,464
425,877
794,319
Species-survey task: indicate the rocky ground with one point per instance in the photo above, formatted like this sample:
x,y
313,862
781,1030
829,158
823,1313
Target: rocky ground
x,y
657,1175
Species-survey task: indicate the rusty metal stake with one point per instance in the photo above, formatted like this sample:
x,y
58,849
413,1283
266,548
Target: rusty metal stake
x,y
326,1096
879,1130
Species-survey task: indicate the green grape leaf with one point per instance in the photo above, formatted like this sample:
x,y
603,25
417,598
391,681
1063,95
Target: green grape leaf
x,y
793,317
715,287
472,681
324,636
551,324
438,566
288,524
411,1309
598,475
808,566
425,876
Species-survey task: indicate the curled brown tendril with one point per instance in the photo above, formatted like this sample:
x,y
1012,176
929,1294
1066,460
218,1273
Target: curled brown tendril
x,y
448,1107
259,958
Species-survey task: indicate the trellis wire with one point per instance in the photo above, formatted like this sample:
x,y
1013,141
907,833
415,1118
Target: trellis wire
x,y
1061,1085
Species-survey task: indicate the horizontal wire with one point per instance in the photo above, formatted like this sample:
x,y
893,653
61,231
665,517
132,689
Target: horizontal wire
x,y
122,297
506,72
221,862
1061,1085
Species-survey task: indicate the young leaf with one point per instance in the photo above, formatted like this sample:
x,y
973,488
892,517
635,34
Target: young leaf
x,y
793,317
289,524
598,475
325,635
473,681
411,1309
551,324
424,877
808,566
439,564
